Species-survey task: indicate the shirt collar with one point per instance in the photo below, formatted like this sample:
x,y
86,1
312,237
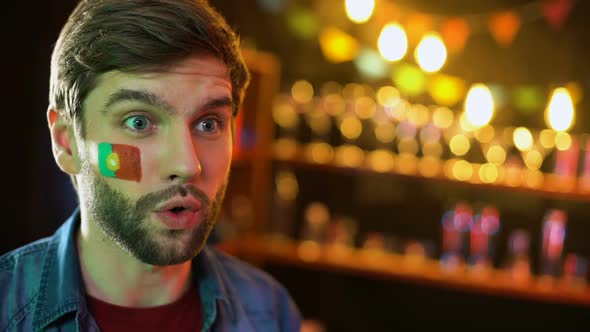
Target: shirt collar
x,y
61,289
207,270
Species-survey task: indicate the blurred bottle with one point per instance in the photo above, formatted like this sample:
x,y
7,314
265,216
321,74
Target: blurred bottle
x,y
519,264
553,237
584,173
484,228
575,271
456,224
566,162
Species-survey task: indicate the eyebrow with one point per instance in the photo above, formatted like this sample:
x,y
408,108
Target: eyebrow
x,y
150,98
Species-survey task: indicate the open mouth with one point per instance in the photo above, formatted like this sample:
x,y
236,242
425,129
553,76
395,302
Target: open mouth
x,y
177,209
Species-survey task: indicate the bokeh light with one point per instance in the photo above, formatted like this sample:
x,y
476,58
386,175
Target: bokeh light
x,y
459,145
338,46
392,42
409,79
385,132
359,11
560,111
488,173
302,91
563,141
479,105
349,156
351,127
371,65
431,53
443,117
496,155
523,139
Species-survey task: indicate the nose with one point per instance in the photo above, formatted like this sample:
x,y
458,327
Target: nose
x,y
181,162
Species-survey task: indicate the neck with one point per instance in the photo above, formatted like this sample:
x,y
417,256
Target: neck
x,y
112,275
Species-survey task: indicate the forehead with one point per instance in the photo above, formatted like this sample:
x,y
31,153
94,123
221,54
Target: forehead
x,y
193,77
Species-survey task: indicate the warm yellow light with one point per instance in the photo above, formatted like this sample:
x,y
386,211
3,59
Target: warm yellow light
x,y
432,149
349,156
431,53
388,96
320,153
462,170
285,116
287,186
409,79
534,178
408,146
446,90
479,105
364,107
560,111
488,173
285,148
443,117
419,115
533,160
547,138
407,163
351,127
496,155
523,139
392,42
429,166
459,144
302,91
465,124
359,11
381,160
485,134
385,132
563,141
338,46
319,121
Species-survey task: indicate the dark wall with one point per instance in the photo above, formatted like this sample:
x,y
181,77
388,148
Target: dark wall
x,y
36,195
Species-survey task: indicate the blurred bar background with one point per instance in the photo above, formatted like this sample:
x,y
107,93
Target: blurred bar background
x,y
398,164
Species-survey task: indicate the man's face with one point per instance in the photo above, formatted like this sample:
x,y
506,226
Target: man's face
x,y
177,123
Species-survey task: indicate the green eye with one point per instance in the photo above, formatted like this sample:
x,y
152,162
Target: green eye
x,y
138,123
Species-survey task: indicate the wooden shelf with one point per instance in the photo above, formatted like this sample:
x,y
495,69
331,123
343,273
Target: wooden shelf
x,y
419,270
552,186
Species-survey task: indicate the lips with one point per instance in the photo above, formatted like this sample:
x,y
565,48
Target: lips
x,y
179,213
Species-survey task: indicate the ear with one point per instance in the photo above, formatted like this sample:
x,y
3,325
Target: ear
x,y
63,142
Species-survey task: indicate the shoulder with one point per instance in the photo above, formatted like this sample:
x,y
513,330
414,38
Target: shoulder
x,y
258,291
239,271
20,272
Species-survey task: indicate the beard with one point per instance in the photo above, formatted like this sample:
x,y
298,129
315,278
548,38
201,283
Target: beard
x,y
128,223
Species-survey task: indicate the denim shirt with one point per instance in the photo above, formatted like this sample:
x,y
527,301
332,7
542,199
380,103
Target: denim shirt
x,y
41,289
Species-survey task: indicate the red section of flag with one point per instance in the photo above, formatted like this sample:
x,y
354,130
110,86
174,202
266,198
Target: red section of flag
x,y
129,161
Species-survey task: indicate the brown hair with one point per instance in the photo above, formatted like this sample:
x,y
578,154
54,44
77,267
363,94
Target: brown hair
x,y
136,36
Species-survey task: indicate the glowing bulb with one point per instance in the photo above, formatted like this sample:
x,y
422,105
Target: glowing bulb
x,y
302,91
523,139
459,145
393,42
479,105
359,11
431,53
443,117
496,155
560,111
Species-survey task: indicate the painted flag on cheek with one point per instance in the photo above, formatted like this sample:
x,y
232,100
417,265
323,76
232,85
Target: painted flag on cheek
x,y
119,161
